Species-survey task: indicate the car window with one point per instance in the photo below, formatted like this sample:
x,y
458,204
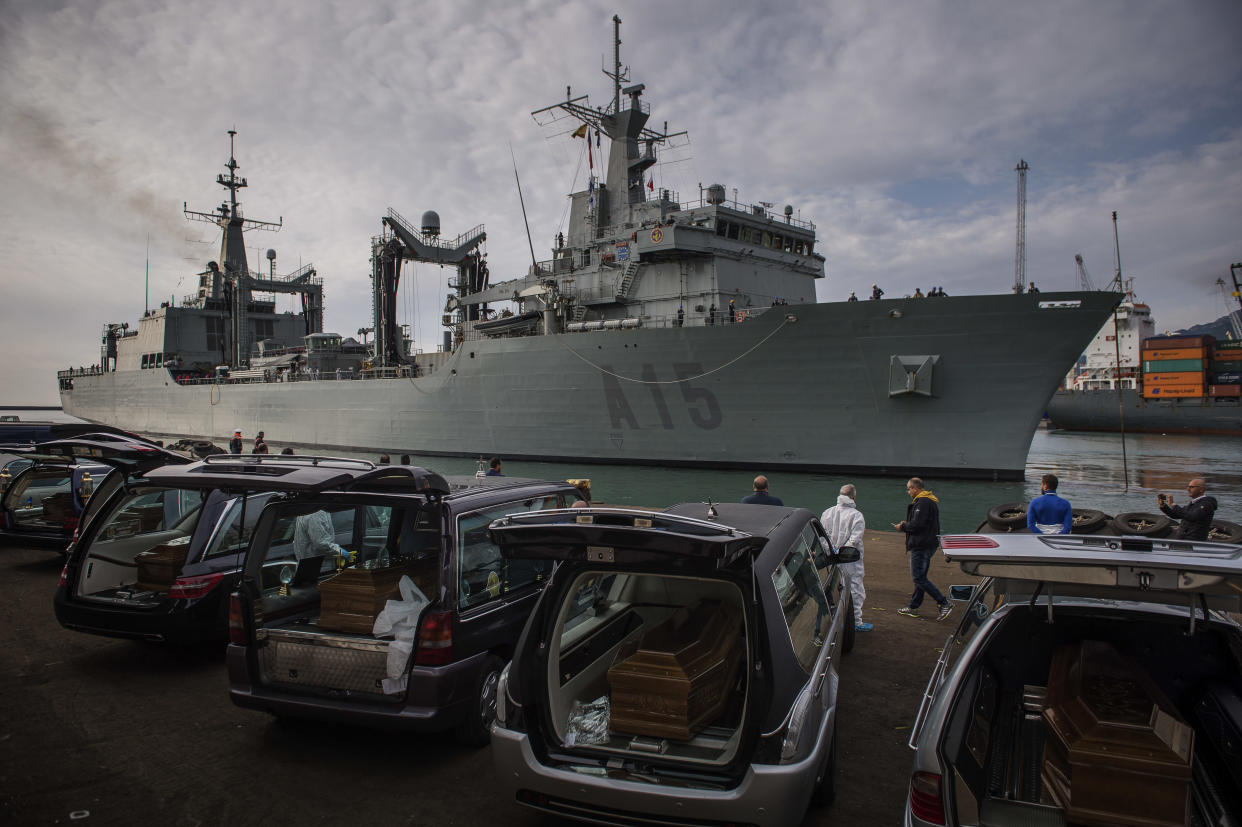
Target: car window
x,y
482,574
308,530
30,489
986,599
151,510
803,602
821,549
231,537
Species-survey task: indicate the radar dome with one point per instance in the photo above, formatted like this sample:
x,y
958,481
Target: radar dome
x,y
431,223
788,210
716,194
271,254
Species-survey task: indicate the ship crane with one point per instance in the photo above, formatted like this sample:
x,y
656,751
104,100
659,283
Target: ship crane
x,y
1233,315
403,242
1084,279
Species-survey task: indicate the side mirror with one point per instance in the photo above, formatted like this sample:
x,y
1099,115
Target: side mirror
x,y
962,594
847,554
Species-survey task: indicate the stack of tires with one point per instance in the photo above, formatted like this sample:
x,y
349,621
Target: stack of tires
x,y
1012,517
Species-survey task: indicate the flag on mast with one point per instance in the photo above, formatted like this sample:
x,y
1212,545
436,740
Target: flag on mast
x,y
581,132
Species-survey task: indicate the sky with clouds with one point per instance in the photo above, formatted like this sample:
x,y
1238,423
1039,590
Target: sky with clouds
x,y
894,126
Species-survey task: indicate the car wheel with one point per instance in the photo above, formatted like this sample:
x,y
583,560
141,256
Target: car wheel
x,y
476,730
1223,531
848,632
1008,516
825,790
1088,521
1142,524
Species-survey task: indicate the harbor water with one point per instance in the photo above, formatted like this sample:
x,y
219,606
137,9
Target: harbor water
x,y
1089,465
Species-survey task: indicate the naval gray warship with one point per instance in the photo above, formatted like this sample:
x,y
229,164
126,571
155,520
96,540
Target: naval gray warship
x,y
662,331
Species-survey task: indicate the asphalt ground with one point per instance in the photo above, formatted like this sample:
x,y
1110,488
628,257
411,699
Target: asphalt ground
x,y
101,731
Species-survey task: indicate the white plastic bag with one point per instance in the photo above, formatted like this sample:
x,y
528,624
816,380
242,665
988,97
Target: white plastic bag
x,y
399,619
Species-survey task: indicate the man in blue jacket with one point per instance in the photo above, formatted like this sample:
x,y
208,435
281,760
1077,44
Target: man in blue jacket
x,y
1048,513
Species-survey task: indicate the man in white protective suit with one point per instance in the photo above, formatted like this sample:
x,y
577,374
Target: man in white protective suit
x,y
845,525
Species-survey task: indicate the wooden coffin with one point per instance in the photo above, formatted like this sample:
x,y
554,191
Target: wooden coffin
x,y
159,567
350,601
1116,751
678,681
58,507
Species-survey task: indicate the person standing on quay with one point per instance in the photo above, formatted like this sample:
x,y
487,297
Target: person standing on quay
x,y
1196,515
760,496
845,525
1048,513
922,529
495,468
235,444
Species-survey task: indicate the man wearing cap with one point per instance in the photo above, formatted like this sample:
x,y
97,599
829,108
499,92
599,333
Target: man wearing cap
x,y
235,444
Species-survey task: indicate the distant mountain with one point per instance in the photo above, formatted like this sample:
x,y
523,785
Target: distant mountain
x,y
1219,328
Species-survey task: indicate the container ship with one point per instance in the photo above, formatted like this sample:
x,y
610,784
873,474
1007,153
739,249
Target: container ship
x,y
1134,381
662,330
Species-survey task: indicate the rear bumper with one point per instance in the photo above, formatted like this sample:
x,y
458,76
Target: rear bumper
x,y
51,539
437,698
775,794
202,620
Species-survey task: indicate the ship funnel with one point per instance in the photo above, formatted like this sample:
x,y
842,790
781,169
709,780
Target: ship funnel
x,y
431,223
716,194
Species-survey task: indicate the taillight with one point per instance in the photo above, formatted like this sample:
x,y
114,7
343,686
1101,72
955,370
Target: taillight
x,y
925,801
189,588
237,624
435,639
64,576
956,541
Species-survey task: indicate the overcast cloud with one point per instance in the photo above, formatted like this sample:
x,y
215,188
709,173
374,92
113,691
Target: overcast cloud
x,y
894,126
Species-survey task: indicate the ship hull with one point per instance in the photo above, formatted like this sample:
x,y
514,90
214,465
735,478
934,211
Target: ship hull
x,y
1101,410
798,387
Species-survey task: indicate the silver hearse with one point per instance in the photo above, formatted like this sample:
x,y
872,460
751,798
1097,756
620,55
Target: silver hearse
x,y
1092,680
681,667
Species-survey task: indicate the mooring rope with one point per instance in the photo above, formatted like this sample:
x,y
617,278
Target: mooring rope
x,y
732,361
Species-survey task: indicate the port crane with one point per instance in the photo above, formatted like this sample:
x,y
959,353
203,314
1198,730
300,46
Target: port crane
x,y
1235,322
1084,279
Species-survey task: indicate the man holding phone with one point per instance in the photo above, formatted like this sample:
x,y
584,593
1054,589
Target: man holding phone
x,y
1196,515
922,529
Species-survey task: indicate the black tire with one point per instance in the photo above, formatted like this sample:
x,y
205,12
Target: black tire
x,y
476,729
1008,516
1089,521
1223,531
1142,524
825,790
848,632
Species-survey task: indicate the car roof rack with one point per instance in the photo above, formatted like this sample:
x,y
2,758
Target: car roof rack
x,y
290,459
299,473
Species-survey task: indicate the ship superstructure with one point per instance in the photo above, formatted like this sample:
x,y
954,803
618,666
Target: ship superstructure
x,y
662,330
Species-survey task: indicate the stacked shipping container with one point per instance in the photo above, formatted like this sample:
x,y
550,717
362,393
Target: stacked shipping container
x,y
1226,369
1180,367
